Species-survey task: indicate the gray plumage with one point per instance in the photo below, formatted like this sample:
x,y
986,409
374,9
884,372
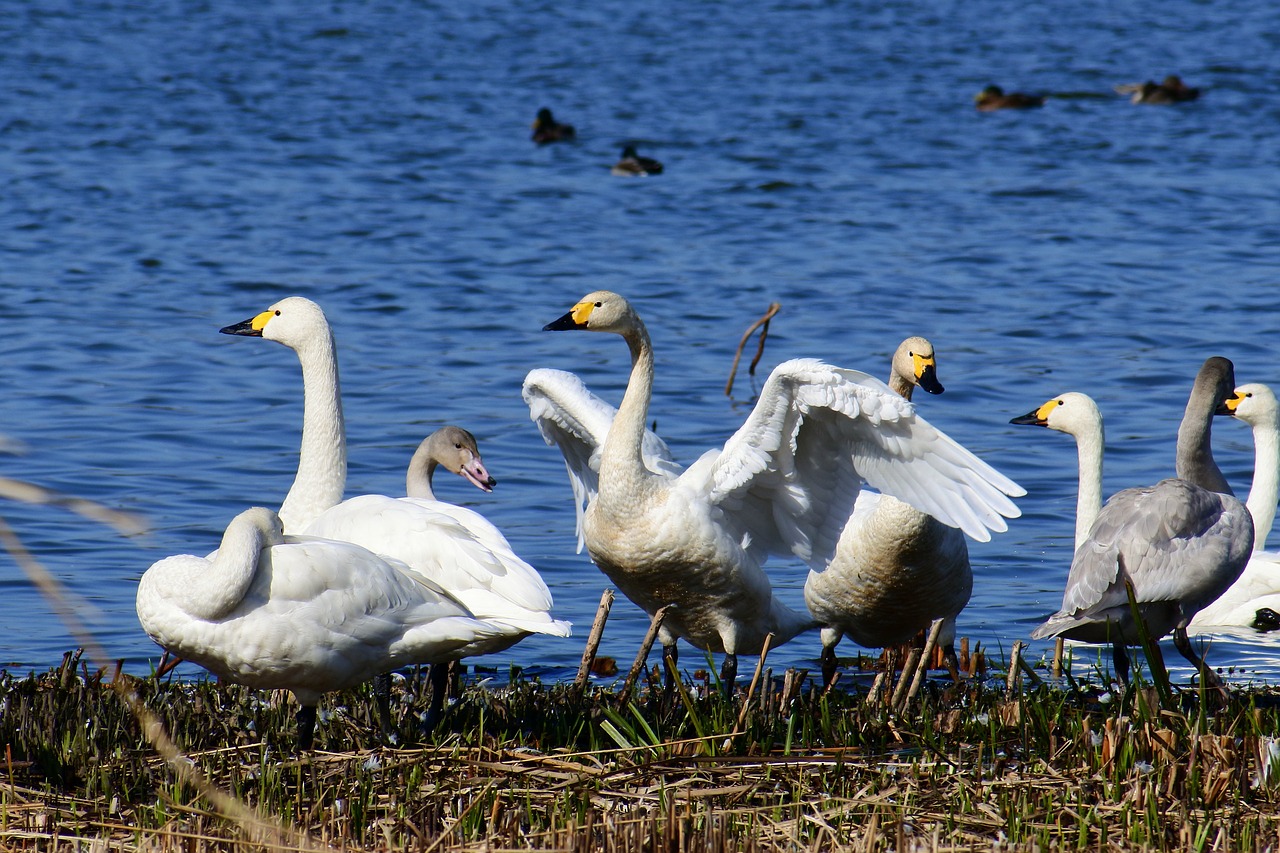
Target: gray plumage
x,y
1181,542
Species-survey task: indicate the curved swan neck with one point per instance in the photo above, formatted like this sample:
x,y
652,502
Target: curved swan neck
x,y
217,586
622,457
1194,461
1265,490
417,481
322,458
1090,442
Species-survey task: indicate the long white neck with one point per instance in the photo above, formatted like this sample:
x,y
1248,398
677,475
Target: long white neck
x,y
1090,441
621,462
210,589
417,481
322,459
1265,491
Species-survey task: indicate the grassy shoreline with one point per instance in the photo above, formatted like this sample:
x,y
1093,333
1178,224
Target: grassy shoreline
x,y
528,766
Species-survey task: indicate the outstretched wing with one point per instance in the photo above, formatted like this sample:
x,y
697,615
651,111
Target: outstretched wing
x,y
793,471
572,418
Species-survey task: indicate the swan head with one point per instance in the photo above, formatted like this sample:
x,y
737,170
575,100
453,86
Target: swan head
x,y
294,321
1072,413
914,361
456,449
1253,403
600,311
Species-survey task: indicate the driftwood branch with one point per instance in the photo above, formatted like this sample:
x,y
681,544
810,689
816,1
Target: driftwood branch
x,y
763,325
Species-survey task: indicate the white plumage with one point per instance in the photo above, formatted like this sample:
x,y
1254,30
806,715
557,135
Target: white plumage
x,y
1258,587
785,482
298,613
448,545
896,569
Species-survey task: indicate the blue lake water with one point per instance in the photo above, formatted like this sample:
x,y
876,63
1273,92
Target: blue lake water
x,y
170,168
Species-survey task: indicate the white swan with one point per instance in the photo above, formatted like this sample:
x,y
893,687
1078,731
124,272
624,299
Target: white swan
x,y
449,545
1253,601
299,613
1180,543
785,482
896,569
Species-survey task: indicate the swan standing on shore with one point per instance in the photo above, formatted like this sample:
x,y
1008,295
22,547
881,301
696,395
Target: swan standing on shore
x,y
1181,543
448,545
896,569
298,613
785,482
1253,601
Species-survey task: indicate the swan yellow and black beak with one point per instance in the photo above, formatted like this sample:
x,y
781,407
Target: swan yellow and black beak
x,y
576,319
927,374
1229,405
1039,417
251,328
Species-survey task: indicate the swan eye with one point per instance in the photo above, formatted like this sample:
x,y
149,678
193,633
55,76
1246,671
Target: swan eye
x,y
277,312
598,304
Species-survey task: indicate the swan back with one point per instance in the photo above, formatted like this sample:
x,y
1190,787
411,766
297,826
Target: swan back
x,y
455,449
312,615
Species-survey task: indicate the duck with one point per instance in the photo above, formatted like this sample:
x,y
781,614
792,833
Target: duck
x,y
1171,90
785,482
445,544
303,614
1180,543
547,129
895,569
994,98
633,165
1252,602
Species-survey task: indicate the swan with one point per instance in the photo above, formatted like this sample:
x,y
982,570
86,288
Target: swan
x,y
1181,543
298,613
896,569
1254,599
784,483
445,544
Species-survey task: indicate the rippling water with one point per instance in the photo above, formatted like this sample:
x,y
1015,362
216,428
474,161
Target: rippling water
x,y
170,168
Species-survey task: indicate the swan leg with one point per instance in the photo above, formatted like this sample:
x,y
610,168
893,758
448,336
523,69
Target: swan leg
x,y
952,661
1183,644
830,666
670,657
1121,658
729,674
439,677
382,701
306,727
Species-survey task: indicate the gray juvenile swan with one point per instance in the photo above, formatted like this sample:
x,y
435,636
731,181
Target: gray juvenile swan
x,y
1181,542
785,482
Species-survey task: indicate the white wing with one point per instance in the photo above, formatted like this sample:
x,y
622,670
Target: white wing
x,y
794,468
453,548
572,418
